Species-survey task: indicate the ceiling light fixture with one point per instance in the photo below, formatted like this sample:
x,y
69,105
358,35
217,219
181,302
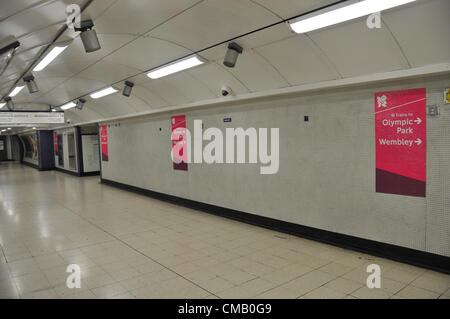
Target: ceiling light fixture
x,y
89,36
175,67
341,12
31,84
7,51
232,54
9,103
127,88
68,106
2,105
16,91
103,93
49,58
80,104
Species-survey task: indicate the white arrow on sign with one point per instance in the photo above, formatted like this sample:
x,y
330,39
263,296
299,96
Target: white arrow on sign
x,y
418,142
418,121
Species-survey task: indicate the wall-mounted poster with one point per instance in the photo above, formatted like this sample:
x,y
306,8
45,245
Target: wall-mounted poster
x,y
55,142
178,138
104,143
401,142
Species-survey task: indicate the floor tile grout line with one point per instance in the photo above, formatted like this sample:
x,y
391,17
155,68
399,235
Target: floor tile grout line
x,y
140,252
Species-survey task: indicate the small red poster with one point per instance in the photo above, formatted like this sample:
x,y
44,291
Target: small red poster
x,y
55,142
104,143
179,142
401,142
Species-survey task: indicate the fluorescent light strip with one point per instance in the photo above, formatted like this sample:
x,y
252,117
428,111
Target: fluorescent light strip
x,y
2,105
16,91
103,92
355,9
49,58
68,106
175,67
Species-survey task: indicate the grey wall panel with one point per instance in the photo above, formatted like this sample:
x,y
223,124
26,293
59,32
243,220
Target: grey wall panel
x,y
327,166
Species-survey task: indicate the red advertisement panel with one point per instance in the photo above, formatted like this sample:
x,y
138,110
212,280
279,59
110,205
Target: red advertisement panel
x,y
179,142
55,142
401,142
104,143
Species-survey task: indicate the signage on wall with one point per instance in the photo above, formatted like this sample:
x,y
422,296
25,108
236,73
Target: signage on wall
x,y
104,143
401,142
179,136
31,118
447,96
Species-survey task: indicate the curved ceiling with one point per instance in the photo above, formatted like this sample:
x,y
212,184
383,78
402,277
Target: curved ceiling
x,y
138,35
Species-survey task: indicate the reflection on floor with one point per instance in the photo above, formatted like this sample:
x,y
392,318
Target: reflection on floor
x,y
131,246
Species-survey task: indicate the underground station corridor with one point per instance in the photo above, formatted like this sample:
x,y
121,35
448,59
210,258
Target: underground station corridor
x,y
225,158
132,246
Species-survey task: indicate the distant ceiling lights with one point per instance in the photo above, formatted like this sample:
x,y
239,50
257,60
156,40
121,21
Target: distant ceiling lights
x,y
232,54
103,92
80,104
128,88
68,106
175,67
89,36
31,84
341,12
49,58
16,90
9,103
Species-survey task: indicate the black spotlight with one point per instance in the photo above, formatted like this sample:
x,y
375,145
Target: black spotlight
x,y
31,84
233,52
89,36
127,89
80,104
9,103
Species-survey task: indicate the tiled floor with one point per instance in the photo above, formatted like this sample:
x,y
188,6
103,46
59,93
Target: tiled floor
x,y
131,246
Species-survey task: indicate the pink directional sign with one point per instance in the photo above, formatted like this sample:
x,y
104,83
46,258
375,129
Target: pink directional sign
x,y
401,142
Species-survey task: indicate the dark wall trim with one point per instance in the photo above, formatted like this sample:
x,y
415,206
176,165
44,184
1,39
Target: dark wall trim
x,y
393,252
30,165
79,150
62,170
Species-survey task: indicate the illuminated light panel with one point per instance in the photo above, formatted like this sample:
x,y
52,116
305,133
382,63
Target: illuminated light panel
x,y
342,12
103,92
68,106
2,105
175,67
16,91
49,58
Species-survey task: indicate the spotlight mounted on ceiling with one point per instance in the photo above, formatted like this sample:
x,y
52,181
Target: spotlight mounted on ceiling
x,y
88,36
31,84
128,88
80,104
9,103
232,54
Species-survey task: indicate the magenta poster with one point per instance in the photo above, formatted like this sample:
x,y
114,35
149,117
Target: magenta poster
x,y
401,142
179,138
104,143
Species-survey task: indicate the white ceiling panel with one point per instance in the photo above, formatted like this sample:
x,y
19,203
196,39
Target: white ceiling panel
x,y
214,77
214,21
355,49
108,72
422,31
149,97
146,53
257,73
146,14
298,60
291,8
